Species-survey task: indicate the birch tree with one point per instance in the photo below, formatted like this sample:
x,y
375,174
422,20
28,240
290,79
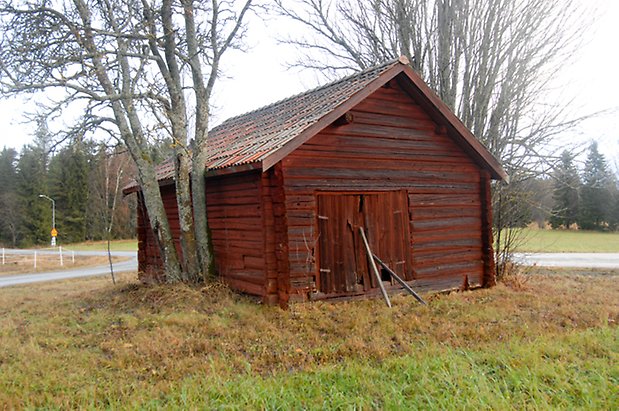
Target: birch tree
x,y
134,69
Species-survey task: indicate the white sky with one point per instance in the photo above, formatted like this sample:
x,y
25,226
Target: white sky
x,y
259,77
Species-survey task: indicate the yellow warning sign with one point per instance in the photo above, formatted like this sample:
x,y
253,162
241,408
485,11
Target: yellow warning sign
x,y
54,232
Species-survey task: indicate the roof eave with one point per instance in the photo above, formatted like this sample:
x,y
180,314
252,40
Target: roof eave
x,y
135,187
254,165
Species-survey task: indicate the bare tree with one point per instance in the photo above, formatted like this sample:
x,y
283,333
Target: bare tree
x,y
114,166
10,216
490,61
136,69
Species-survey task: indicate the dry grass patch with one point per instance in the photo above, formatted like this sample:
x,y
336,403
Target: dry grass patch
x,y
86,343
47,263
115,245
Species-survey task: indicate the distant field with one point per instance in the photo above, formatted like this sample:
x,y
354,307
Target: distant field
x,y
559,241
20,264
544,341
117,245
529,240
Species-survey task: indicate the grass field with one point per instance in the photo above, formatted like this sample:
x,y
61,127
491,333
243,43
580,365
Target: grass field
x,y
547,340
529,240
560,241
116,245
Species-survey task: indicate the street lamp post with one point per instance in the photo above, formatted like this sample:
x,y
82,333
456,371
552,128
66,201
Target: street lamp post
x,y
54,232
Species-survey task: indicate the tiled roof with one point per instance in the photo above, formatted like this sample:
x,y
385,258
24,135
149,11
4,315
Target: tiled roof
x,y
253,136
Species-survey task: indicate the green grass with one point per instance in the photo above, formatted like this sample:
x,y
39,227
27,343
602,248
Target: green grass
x,y
560,241
116,245
573,372
541,341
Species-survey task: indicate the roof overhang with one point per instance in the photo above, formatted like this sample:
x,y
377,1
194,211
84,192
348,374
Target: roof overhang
x,y
134,186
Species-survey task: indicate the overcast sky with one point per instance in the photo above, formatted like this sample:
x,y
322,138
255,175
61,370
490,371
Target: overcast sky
x,y
259,77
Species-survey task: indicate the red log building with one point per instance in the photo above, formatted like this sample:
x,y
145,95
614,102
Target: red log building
x,y
290,184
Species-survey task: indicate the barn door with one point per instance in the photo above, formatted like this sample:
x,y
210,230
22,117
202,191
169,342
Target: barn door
x,y
343,262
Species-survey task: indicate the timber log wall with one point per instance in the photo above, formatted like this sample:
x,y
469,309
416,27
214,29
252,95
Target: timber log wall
x,y
392,144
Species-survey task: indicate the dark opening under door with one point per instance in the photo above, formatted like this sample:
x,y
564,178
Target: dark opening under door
x,y
343,261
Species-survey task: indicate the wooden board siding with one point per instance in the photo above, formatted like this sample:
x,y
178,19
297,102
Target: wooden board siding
x,y
150,265
149,261
489,277
391,145
235,215
234,210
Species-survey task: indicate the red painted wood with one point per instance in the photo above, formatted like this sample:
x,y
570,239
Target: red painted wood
x,y
281,245
426,208
235,215
390,146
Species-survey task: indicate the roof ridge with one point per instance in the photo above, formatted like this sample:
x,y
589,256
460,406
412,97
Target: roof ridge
x,y
399,60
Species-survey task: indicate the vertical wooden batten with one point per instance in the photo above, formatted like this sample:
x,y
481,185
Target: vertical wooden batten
x,y
268,218
489,278
281,246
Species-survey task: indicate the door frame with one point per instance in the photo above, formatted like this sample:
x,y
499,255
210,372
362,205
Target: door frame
x,y
406,228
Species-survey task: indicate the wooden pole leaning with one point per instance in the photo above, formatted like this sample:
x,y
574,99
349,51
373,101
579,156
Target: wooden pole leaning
x,y
399,280
374,268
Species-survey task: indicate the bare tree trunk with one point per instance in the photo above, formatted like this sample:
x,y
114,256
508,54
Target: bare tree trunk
x,y
130,128
203,93
203,239
161,228
110,209
126,64
109,214
185,216
178,118
109,257
200,153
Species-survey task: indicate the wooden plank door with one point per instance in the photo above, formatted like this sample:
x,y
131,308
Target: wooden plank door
x,y
387,229
337,217
343,262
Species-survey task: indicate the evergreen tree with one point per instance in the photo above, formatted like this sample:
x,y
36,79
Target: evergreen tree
x,y
36,213
68,184
565,192
95,208
596,193
8,169
31,182
614,214
9,207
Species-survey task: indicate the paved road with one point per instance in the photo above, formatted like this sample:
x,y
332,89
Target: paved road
x,y
130,265
582,260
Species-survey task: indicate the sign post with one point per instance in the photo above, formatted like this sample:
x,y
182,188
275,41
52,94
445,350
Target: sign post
x,y
54,234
